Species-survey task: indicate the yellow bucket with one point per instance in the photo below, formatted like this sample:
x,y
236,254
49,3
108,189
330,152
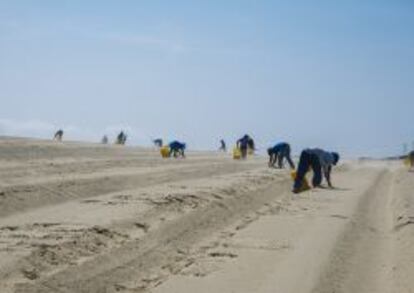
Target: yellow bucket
x,y
165,152
305,184
236,153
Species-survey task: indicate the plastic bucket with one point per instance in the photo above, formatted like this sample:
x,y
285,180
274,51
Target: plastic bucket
x,y
305,184
236,153
165,152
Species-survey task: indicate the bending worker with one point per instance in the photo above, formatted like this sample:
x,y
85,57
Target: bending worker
x,y
278,153
177,149
244,144
59,135
158,142
320,161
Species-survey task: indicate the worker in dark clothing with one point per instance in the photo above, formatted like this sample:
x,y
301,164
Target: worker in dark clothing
x,y
59,135
244,144
121,138
411,159
158,142
320,162
278,153
177,149
223,146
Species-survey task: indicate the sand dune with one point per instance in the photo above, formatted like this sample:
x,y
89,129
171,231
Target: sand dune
x,y
88,218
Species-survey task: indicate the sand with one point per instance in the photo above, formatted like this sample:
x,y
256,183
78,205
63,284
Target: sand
x,y
78,217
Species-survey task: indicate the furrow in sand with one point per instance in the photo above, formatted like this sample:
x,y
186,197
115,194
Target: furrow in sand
x,y
17,198
164,248
11,172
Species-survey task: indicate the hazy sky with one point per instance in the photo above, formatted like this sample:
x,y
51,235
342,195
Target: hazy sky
x,y
334,74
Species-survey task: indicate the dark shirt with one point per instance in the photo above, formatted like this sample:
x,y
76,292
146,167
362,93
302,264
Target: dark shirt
x,y
176,145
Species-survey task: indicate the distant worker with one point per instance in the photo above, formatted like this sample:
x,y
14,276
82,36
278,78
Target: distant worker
x,y
320,161
411,159
59,135
278,153
158,142
177,149
121,138
223,146
104,140
244,144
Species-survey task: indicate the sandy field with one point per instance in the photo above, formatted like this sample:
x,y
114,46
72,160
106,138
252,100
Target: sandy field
x,y
78,217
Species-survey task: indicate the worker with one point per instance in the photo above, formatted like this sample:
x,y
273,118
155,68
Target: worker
x,y
278,153
177,149
59,135
319,161
223,146
121,138
158,142
245,143
411,159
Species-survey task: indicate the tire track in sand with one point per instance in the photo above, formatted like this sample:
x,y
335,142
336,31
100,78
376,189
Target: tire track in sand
x,y
362,258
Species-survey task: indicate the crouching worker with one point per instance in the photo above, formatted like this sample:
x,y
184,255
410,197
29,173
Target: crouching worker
x,y
177,149
319,161
278,153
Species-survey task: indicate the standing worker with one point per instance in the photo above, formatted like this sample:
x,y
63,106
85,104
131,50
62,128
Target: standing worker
x,y
223,146
121,138
320,161
278,153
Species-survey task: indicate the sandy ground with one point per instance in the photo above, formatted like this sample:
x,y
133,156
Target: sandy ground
x,y
89,218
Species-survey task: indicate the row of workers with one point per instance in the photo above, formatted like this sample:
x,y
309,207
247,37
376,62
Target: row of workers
x,y
317,160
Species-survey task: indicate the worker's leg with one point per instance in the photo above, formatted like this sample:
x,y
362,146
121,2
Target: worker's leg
x,y
280,160
243,152
317,171
304,163
274,159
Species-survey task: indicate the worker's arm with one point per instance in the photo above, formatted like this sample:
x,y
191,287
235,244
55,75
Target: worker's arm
x,y
272,160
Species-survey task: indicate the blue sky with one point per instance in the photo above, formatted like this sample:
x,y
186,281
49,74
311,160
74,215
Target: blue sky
x,y
333,74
